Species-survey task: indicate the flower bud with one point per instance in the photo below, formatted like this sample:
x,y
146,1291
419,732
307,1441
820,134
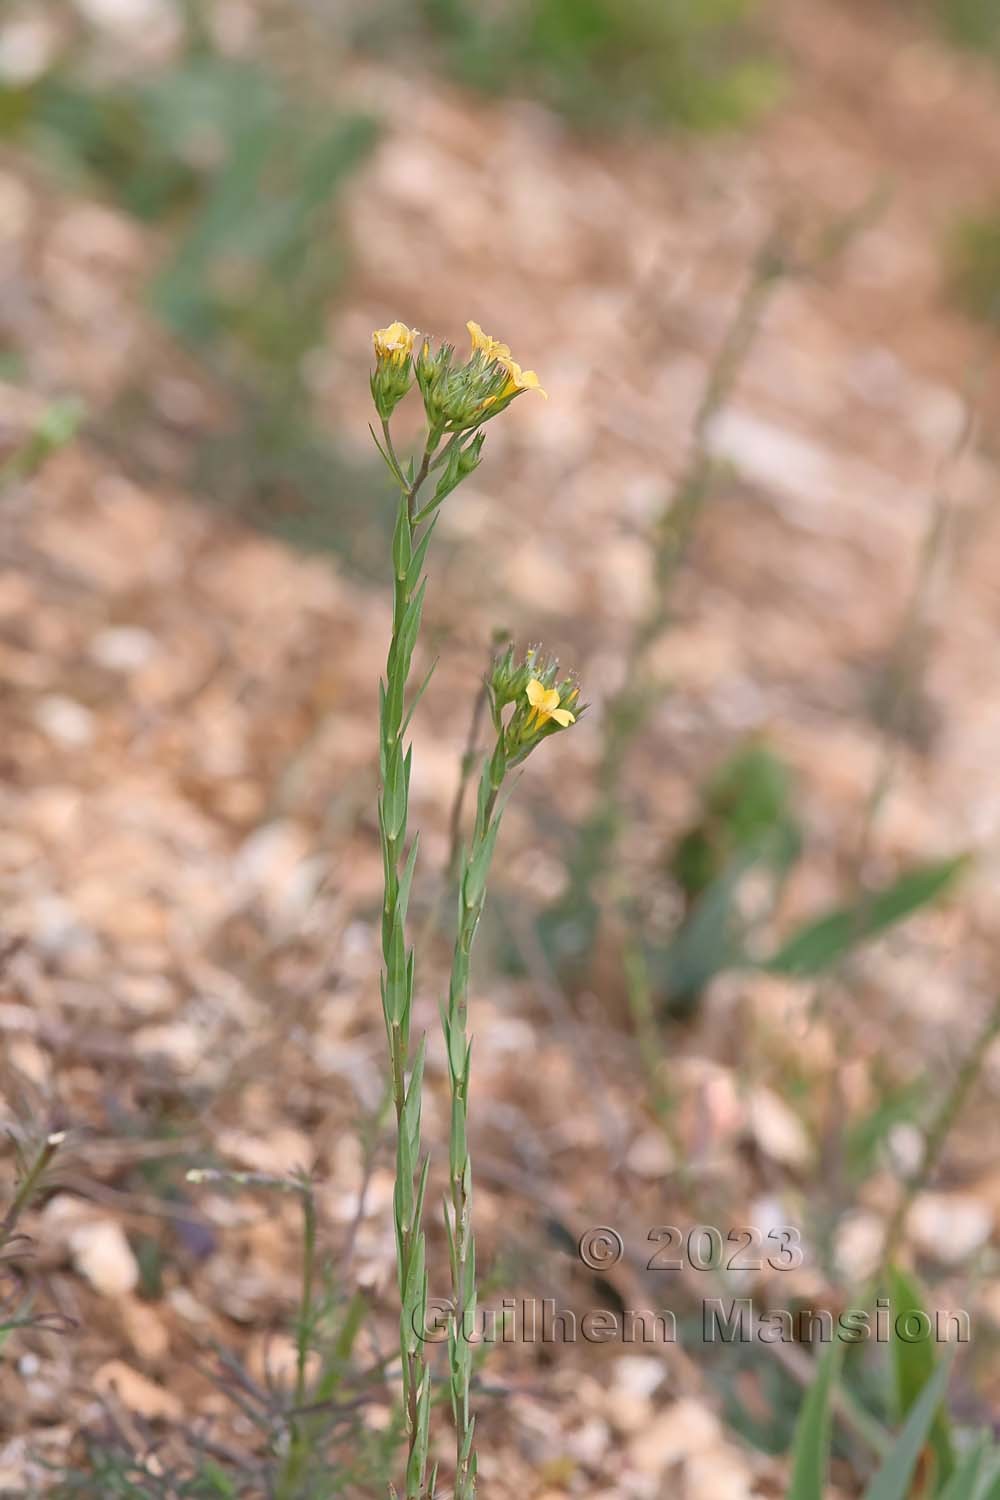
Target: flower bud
x,y
393,373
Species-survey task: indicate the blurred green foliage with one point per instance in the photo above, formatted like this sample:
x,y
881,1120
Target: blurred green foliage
x,y
728,871
929,1457
971,23
973,256
746,809
239,165
56,426
242,175
606,62
746,822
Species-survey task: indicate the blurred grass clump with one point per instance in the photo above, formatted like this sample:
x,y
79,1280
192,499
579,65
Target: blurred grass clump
x,y
973,256
237,158
608,63
971,23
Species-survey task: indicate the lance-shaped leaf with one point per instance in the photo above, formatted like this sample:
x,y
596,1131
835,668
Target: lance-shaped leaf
x,y
822,944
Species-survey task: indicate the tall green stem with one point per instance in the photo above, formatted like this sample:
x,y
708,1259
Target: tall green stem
x,y
397,977
458,1205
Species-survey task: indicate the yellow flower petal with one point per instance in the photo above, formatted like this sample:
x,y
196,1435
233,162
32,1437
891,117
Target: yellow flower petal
x,y
563,717
493,349
484,342
537,693
394,342
529,382
544,701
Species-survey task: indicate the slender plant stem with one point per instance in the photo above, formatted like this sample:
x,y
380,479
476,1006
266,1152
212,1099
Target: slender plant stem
x,y
293,1468
303,1339
457,400
458,1213
397,977
467,766
947,1112
29,1185
465,775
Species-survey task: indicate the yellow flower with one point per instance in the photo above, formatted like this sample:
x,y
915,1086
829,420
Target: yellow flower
x,y
545,704
490,347
395,342
517,379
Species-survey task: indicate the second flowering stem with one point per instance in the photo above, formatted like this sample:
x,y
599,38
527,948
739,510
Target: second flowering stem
x,y
458,1204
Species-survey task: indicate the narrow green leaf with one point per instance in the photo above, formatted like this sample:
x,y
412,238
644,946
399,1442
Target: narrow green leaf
x,y
403,896
892,1482
913,1365
402,544
421,690
411,1105
458,1146
821,944
394,792
416,1467
418,1202
971,1479
474,884
393,470
811,1447
417,559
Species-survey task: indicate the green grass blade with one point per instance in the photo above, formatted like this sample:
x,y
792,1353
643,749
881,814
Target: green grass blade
x,y
811,1448
971,1479
913,1365
892,1482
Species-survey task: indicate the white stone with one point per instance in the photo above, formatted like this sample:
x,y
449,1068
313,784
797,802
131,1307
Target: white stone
x,y
123,648
778,1130
949,1226
65,721
639,1375
102,1255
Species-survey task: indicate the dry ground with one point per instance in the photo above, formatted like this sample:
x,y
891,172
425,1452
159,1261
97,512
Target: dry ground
x,y
189,862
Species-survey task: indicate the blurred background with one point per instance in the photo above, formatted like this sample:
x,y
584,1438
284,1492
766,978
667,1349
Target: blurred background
x,y
738,965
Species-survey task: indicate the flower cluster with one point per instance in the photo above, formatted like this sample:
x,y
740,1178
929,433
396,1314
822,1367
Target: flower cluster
x,y
458,395
541,704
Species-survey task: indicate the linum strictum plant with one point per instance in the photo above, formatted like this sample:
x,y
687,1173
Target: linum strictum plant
x,y
528,703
